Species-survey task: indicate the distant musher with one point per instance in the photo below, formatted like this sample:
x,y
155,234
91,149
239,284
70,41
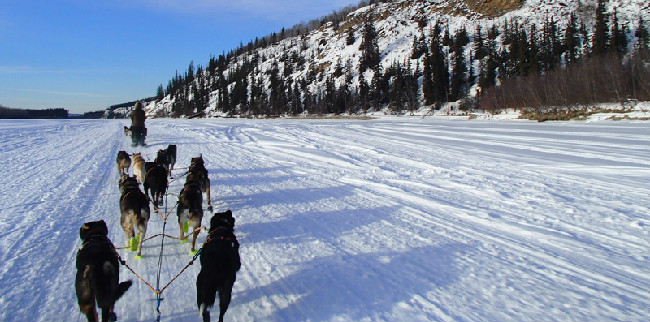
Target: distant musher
x,y
138,131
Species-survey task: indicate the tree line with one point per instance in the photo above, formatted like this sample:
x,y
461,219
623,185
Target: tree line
x,y
17,113
507,65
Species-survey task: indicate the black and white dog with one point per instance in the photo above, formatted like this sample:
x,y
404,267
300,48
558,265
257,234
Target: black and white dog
x,y
98,273
219,265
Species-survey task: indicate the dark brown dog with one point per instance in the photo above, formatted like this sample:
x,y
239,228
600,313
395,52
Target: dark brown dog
x,y
155,182
163,160
135,211
171,156
220,262
198,172
98,274
123,163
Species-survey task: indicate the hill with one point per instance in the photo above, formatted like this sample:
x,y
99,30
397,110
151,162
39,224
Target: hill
x,y
380,55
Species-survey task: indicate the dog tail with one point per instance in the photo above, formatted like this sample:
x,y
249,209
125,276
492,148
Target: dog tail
x,y
121,289
201,309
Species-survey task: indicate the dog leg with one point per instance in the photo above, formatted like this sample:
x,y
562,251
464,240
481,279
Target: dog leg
x,y
142,230
207,191
108,315
90,311
182,234
225,294
194,235
127,225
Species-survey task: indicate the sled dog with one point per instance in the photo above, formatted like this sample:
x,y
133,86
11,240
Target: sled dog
x,y
123,163
155,182
219,265
171,156
190,209
135,212
98,274
198,172
138,167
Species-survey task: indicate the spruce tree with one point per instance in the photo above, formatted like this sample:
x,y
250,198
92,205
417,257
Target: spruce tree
x,y
458,78
364,91
369,47
642,35
350,39
439,72
479,44
427,80
601,30
160,93
619,36
571,41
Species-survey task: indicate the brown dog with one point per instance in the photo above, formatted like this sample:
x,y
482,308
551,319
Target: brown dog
x,y
190,209
138,167
134,207
123,163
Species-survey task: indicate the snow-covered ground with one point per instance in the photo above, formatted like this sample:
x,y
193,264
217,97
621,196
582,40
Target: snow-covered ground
x,y
392,219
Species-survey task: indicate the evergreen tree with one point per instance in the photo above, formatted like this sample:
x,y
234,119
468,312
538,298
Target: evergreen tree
x,y
601,32
489,65
427,80
439,72
571,41
160,93
642,35
479,44
364,93
350,39
419,47
458,77
619,36
532,61
369,47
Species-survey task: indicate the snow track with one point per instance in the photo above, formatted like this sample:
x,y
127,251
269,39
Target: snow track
x,y
395,219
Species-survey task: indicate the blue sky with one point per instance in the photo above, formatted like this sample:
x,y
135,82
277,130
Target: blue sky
x,y
85,55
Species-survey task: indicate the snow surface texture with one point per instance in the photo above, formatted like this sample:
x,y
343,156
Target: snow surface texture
x,y
392,219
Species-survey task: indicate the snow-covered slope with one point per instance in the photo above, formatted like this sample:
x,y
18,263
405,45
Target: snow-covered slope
x,y
392,219
397,23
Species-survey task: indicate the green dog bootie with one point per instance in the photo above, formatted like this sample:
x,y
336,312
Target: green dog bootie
x,y
134,243
186,226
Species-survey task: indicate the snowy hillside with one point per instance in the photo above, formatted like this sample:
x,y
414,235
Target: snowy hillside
x,y
317,55
350,220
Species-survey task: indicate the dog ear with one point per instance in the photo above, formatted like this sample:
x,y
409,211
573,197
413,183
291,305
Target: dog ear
x,y
83,231
103,227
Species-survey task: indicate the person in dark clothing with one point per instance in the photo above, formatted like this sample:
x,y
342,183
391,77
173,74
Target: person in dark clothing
x,y
138,130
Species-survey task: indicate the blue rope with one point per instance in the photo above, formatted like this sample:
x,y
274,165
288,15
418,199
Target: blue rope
x,y
160,257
